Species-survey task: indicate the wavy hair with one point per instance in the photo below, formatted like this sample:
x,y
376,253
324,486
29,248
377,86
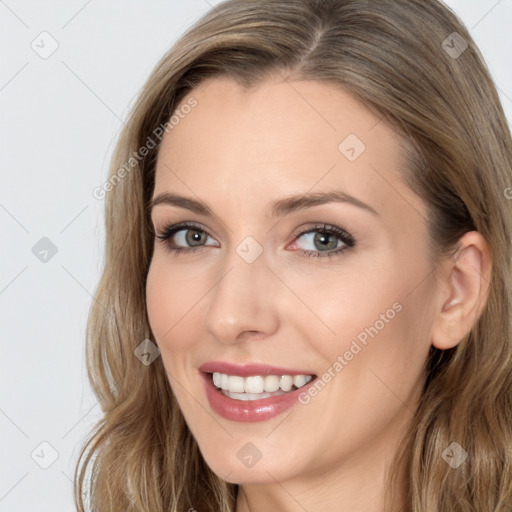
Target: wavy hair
x,y
401,59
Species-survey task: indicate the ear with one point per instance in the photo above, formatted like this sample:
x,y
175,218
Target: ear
x,y
463,291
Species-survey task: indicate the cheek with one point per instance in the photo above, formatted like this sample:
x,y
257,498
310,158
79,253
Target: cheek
x,y
172,307
171,299
158,298
349,307
377,322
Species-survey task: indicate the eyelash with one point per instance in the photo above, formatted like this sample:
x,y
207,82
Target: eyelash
x,y
325,229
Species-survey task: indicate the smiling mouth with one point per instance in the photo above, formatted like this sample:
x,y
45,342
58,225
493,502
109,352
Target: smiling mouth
x,y
257,387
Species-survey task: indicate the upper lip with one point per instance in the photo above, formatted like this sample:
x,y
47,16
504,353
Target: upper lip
x,y
248,369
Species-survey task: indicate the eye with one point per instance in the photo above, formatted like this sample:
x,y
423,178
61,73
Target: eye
x,y
323,241
185,237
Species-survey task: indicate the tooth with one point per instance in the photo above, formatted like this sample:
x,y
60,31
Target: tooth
x,y
236,384
254,384
271,383
286,382
250,396
300,380
241,396
224,381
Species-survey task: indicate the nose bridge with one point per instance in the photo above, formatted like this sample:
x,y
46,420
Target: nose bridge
x,y
244,296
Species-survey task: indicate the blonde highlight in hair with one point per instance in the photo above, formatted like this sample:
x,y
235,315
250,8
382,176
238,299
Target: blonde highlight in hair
x,y
141,456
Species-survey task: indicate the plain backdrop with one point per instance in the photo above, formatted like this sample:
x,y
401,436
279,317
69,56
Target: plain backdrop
x,y
60,116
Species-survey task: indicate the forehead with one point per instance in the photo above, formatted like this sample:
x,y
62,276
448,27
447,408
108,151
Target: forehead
x,y
276,139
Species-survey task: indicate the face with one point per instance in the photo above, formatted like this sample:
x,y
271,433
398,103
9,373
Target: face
x,y
299,282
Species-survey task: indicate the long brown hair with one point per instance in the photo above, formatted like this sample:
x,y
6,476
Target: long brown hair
x,y
408,62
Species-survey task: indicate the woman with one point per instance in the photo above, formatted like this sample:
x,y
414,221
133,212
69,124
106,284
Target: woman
x,y
306,302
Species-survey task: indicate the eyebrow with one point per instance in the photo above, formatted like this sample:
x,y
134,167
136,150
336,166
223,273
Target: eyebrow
x,y
277,208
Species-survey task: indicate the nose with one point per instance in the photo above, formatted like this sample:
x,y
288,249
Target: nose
x,y
243,304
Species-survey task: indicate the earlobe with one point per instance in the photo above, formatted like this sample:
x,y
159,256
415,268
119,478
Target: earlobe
x,y
464,291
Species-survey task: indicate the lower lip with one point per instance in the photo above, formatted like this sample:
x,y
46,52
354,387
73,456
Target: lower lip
x,y
250,410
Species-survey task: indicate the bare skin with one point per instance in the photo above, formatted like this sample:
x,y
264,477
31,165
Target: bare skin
x,y
238,151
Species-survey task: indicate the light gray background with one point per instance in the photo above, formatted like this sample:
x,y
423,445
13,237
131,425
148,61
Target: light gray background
x,y
59,119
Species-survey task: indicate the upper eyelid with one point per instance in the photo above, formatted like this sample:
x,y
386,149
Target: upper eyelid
x,y
178,226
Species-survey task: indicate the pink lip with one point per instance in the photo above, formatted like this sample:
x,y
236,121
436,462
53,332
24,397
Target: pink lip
x,y
247,370
249,410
